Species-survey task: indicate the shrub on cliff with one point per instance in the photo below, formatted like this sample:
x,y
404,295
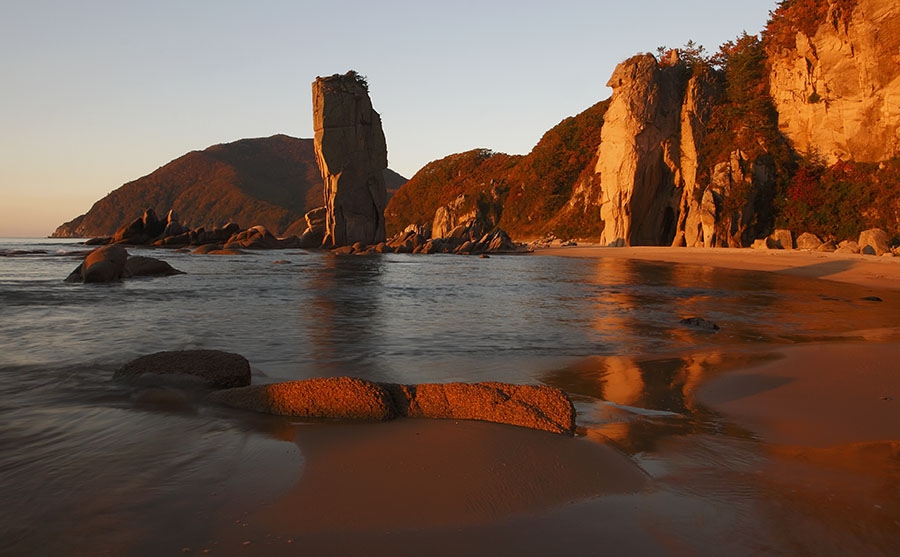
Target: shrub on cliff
x,y
523,194
442,181
543,181
805,16
842,200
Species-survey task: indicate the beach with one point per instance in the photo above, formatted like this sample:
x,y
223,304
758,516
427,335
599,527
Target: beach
x,y
816,470
762,438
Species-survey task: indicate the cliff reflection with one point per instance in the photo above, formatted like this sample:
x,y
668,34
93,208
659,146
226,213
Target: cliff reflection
x,y
635,402
344,333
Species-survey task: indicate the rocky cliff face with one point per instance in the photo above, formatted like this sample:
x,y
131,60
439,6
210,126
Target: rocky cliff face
x,y
836,84
352,155
657,189
638,155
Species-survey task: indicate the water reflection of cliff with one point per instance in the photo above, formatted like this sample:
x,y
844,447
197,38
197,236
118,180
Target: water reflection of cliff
x,y
343,326
636,401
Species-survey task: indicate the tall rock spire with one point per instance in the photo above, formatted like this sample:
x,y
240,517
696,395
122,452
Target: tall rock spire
x,y
352,155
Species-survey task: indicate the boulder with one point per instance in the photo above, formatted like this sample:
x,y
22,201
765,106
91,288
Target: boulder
x,y
808,241
699,323
316,229
201,236
536,407
345,398
214,368
412,238
827,247
104,264
352,156
874,241
132,233
256,237
848,246
142,230
783,239
763,243
174,228
140,266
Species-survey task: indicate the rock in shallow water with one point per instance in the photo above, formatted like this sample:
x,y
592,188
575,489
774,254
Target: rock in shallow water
x,y
699,323
346,398
112,263
216,369
536,407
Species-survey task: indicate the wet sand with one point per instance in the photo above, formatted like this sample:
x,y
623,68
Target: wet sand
x,y
864,270
813,469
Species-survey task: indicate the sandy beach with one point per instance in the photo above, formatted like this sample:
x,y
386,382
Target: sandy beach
x,y
813,468
864,270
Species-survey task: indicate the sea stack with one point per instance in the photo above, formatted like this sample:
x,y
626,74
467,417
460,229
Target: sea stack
x,y
352,155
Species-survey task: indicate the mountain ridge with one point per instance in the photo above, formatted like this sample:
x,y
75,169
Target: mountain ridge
x,y
270,181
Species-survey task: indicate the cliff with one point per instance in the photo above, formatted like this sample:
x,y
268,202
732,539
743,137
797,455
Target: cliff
x,y
270,181
835,77
798,128
639,153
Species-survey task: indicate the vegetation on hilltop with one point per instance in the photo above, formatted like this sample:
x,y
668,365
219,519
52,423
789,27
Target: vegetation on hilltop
x,y
543,181
523,194
473,173
805,16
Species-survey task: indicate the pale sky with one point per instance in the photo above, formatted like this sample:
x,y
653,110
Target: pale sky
x,y
98,93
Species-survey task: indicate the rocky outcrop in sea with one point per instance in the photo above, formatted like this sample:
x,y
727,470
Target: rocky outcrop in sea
x,y
352,155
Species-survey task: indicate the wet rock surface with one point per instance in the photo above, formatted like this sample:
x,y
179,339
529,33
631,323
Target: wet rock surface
x,y
213,368
536,407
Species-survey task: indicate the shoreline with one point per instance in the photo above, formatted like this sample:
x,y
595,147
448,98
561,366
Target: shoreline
x,y
863,270
798,451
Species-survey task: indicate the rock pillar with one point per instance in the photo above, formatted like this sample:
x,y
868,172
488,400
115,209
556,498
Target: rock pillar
x,y
352,155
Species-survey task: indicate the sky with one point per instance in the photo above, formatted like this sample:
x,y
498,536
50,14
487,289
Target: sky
x,y
95,94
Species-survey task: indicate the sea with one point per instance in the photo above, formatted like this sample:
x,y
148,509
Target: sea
x,y
81,454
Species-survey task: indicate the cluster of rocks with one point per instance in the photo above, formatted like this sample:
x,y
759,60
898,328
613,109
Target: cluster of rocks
x,y
472,237
112,263
351,153
462,241
150,230
349,398
874,241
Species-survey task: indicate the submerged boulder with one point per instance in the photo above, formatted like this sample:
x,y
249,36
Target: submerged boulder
x,y
140,266
699,323
112,262
214,368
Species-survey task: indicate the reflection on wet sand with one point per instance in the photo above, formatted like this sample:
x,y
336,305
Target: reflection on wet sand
x,y
635,402
843,498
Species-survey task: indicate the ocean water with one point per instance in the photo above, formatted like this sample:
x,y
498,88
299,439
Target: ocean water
x,y
82,456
